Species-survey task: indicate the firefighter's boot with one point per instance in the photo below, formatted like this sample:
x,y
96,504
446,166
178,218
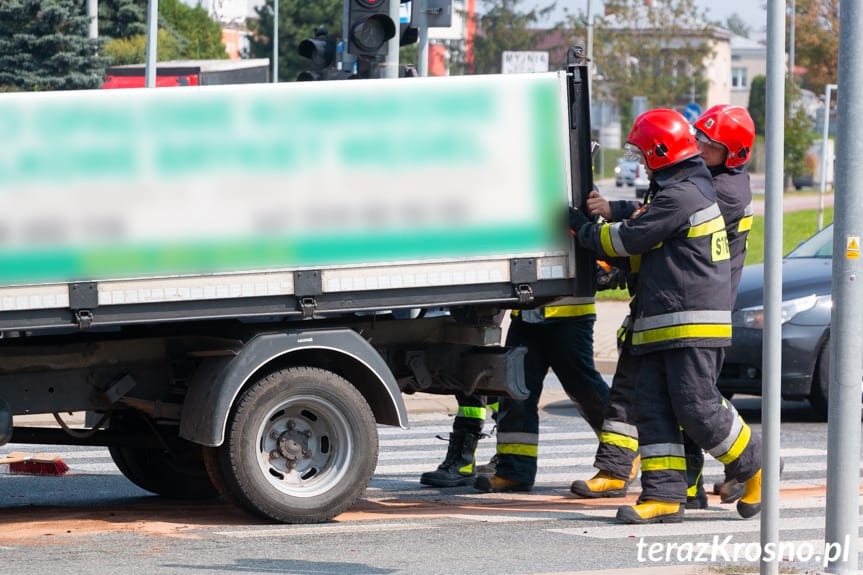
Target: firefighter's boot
x,y
750,504
458,465
603,484
498,484
651,511
489,468
696,497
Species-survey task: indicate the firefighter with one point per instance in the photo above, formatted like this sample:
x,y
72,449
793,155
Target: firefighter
x,y
725,135
730,133
459,465
681,320
560,337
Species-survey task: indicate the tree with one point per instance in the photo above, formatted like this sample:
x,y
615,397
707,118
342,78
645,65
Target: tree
x,y
656,50
133,50
503,27
297,21
799,133
199,35
44,45
737,25
816,45
122,18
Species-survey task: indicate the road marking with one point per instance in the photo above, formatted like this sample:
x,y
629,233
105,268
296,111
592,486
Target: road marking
x,y
324,529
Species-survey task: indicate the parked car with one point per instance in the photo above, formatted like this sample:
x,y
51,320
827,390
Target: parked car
x,y
624,172
806,308
641,181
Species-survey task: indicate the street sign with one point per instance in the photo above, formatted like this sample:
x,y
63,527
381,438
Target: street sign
x,y
692,112
524,62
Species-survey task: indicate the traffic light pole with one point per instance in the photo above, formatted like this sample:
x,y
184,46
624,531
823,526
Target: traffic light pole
x,y
419,15
390,67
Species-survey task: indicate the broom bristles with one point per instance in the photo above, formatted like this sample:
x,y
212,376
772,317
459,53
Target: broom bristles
x,y
39,464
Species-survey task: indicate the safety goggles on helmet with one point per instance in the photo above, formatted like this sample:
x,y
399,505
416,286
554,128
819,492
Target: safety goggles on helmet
x,y
632,153
664,137
731,127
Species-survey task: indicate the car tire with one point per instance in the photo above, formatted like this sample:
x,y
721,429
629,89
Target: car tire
x,y
821,381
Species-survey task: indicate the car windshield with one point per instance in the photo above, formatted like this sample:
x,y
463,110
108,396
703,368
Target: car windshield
x,y
818,246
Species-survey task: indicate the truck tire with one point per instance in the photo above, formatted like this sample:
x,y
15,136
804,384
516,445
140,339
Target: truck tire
x,y
300,447
177,474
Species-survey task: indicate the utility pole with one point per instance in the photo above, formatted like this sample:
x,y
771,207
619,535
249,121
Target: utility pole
x,y
152,43
93,15
275,41
825,134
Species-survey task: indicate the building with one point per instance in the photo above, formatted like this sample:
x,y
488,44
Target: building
x,y
748,60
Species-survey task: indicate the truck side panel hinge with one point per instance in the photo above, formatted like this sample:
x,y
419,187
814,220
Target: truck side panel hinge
x,y
524,293
308,306
84,318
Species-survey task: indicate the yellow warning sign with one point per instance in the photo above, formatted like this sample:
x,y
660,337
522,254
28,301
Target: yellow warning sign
x,y
852,247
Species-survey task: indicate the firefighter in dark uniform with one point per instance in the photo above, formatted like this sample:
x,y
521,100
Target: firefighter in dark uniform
x,y
725,135
681,320
459,465
730,133
560,337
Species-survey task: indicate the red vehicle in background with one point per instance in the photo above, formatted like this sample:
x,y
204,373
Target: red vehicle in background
x,y
176,73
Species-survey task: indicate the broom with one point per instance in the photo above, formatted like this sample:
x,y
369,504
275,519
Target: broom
x,y
23,463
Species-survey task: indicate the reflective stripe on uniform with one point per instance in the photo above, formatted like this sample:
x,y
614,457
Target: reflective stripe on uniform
x,y
609,236
745,224
620,427
518,443
564,307
663,456
570,310
682,324
705,222
734,443
494,407
471,412
618,440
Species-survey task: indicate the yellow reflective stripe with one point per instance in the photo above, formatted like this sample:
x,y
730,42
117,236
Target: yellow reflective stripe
x,y
634,264
605,240
618,440
692,491
681,332
570,310
494,407
466,468
471,412
745,224
739,445
515,313
663,463
706,228
518,449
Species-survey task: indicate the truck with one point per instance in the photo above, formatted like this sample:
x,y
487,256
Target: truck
x,y
237,284
181,73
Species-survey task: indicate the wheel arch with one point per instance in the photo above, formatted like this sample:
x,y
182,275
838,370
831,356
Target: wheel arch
x,y
214,388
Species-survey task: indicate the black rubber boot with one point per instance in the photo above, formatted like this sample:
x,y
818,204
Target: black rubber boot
x,y
458,465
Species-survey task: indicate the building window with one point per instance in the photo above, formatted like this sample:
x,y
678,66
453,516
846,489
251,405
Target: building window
x,y
739,80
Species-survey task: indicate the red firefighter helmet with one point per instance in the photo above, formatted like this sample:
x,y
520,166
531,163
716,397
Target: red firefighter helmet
x,y
663,137
731,126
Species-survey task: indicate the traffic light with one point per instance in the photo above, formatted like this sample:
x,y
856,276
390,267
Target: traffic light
x,y
369,27
322,51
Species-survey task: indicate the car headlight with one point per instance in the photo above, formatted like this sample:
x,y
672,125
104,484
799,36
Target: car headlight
x,y
616,169
753,317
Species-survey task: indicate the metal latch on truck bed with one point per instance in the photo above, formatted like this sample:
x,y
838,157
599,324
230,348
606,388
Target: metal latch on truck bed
x,y
524,293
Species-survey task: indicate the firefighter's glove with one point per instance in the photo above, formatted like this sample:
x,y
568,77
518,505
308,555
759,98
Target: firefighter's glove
x,y
577,220
612,278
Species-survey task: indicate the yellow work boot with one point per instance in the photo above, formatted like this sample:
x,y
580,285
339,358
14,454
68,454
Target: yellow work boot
x,y
636,466
498,484
651,511
750,504
603,484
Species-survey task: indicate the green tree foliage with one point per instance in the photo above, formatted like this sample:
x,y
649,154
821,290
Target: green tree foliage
x,y
816,42
44,45
657,50
133,50
297,21
799,130
122,18
185,32
737,25
501,27
199,35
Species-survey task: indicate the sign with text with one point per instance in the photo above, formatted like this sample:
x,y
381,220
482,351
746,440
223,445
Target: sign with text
x,y
524,62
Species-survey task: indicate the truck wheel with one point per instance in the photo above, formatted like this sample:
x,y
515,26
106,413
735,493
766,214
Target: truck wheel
x,y
301,447
178,474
